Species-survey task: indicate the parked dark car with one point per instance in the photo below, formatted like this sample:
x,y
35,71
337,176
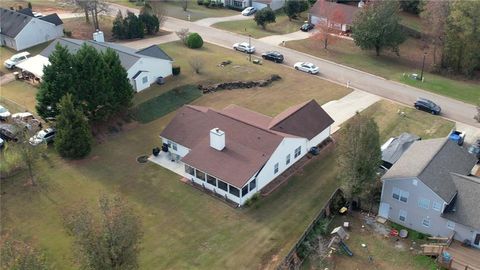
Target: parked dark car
x,y
9,132
307,27
427,105
273,56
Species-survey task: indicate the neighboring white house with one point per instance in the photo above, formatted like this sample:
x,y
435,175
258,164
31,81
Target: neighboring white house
x,y
235,152
430,190
20,30
143,66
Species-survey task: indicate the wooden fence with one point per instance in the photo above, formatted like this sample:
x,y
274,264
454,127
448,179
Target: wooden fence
x,y
292,261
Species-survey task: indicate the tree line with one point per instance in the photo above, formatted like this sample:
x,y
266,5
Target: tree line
x,y
452,27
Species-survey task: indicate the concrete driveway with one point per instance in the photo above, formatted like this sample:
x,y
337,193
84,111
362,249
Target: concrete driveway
x,y
343,109
212,21
278,39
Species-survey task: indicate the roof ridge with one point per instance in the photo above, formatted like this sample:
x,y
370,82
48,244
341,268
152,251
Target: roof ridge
x,y
106,46
249,124
445,140
292,113
469,178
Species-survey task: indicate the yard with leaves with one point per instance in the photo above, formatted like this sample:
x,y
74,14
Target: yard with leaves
x,y
184,227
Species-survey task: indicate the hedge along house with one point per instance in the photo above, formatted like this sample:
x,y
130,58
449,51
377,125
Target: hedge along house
x,y
20,30
143,66
235,152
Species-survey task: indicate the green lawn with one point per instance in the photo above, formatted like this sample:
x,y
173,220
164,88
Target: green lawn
x,y
196,12
21,93
391,123
391,66
249,27
411,21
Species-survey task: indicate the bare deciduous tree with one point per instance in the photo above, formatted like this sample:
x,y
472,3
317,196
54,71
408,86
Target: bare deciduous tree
x,y
435,14
156,8
197,64
16,254
183,34
327,29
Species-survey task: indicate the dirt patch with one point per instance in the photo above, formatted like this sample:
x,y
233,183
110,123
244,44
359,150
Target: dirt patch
x,y
81,29
238,84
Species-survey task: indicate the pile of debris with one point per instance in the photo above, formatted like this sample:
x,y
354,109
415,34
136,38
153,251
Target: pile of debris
x,y
238,84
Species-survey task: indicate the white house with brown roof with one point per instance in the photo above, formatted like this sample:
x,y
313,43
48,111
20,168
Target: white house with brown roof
x,y
235,152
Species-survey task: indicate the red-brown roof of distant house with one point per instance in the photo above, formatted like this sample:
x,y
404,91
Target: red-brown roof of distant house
x,y
305,120
321,9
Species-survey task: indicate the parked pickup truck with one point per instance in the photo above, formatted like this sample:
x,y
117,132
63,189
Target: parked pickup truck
x,y
457,136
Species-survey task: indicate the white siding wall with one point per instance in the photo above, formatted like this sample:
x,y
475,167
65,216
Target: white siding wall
x,y
319,138
37,32
8,42
287,146
155,67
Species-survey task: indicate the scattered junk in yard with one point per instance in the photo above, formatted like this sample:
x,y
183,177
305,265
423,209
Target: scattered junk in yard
x,y
225,63
403,233
257,61
339,234
238,84
457,136
142,159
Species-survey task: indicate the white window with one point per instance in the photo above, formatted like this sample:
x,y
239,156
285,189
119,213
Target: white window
x,y
298,151
396,193
451,225
404,196
174,146
145,80
424,203
426,222
402,215
275,168
437,206
287,161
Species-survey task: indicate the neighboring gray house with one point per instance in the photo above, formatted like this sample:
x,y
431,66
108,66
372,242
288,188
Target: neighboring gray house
x,y
394,148
429,190
20,30
258,4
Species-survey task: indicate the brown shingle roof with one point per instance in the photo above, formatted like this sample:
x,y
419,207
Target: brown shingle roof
x,y
346,13
304,120
249,142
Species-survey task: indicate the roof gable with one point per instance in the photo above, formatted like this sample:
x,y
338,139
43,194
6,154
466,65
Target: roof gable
x,y
155,52
432,161
52,18
12,22
306,120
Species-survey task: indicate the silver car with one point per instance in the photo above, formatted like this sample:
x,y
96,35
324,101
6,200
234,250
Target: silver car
x,y
43,136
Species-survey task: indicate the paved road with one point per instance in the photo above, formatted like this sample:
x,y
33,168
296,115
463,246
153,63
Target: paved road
x,y
214,20
452,109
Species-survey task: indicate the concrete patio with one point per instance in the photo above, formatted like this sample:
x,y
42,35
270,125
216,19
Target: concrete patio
x,y
163,159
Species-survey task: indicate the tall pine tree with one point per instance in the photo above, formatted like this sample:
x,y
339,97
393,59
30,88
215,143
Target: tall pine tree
x,y
92,91
57,80
359,156
74,138
122,91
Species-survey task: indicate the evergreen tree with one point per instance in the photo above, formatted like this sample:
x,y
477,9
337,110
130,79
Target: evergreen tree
x,y
73,139
264,16
359,156
294,7
152,25
377,26
56,82
134,27
122,91
92,90
118,29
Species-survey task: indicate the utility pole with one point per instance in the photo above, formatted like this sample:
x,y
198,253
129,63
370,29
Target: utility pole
x,y
423,65
249,46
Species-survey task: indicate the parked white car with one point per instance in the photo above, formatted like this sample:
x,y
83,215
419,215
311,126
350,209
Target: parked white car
x,y
306,67
4,113
244,47
16,59
43,136
249,11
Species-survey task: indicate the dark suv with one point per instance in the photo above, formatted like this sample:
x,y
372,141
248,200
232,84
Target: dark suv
x,y
273,56
427,105
307,27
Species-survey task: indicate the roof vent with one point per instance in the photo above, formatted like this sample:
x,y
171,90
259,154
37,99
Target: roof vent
x,y
217,139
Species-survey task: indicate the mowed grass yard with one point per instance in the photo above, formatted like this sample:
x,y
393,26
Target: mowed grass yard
x,y
249,27
392,67
184,228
